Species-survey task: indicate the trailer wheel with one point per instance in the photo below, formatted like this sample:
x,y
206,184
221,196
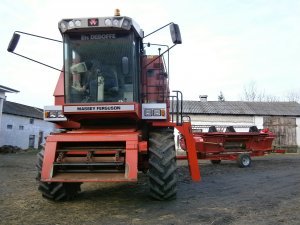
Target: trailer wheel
x,y
56,191
215,162
244,160
162,164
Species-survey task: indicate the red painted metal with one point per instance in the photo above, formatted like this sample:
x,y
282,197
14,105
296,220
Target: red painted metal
x,y
228,145
59,96
186,130
143,146
281,151
131,156
155,85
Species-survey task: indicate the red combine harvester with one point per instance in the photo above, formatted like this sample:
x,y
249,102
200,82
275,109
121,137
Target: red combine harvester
x,y
112,106
232,145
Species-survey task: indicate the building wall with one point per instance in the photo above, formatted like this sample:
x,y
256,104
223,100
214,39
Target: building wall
x,y
259,122
19,131
241,123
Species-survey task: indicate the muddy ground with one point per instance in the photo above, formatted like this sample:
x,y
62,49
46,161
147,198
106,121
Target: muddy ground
x,y
266,193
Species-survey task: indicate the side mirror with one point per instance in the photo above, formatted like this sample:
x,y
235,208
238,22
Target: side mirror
x,y
175,33
125,65
13,42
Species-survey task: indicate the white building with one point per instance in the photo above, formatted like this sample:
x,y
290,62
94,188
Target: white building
x,y
23,126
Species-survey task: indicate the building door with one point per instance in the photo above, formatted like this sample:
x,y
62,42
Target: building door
x,y
31,141
41,136
285,130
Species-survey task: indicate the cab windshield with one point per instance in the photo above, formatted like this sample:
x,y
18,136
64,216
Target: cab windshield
x,y
100,67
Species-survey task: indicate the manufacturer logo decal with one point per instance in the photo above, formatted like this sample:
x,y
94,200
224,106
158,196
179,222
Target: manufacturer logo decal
x,y
93,22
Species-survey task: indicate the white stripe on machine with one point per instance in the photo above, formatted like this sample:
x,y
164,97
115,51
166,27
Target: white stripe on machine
x,y
99,108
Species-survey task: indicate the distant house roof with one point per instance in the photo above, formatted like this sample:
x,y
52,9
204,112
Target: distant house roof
x,y
7,89
22,110
242,108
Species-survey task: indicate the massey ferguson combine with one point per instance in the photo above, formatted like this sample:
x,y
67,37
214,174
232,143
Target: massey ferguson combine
x,y
116,114
112,104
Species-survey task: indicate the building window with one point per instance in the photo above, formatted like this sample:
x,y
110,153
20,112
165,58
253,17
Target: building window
x,y
21,127
31,121
9,126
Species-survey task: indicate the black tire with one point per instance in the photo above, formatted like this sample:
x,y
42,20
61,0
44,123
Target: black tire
x,y
56,191
162,164
215,162
244,160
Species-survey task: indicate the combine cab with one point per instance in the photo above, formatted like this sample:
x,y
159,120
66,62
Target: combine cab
x,y
112,106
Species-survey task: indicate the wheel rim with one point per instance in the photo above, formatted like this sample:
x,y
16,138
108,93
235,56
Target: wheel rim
x,y
246,161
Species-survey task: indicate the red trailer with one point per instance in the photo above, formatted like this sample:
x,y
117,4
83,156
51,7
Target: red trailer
x,y
231,145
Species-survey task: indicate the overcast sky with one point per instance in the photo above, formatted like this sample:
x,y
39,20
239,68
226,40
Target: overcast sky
x,y
227,44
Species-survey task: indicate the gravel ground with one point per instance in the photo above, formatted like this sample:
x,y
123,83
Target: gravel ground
x,y
266,193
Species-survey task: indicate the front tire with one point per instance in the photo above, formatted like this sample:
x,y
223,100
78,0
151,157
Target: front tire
x,y
56,191
162,164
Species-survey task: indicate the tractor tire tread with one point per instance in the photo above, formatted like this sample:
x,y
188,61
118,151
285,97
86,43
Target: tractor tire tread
x,y
55,191
162,164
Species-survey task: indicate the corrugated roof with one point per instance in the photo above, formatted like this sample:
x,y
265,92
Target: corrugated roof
x,y
242,108
22,110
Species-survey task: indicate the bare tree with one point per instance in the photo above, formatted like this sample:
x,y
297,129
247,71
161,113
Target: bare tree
x,y
293,96
252,94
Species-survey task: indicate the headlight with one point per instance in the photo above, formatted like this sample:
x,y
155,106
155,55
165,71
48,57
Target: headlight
x,y
148,112
60,114
52,114
77,23
107,22
71,24
125,24
63,25
116,22
156,112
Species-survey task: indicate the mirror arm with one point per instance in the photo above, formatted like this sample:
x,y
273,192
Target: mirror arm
x,y
157,30
14,42
37,62
34,35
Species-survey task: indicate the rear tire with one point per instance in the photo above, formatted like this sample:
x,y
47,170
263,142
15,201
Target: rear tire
x,y
244,160
56,191
162,164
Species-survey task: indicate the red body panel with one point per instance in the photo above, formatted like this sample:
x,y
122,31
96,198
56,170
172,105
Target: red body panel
x,y
186,130
59,91
131,140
